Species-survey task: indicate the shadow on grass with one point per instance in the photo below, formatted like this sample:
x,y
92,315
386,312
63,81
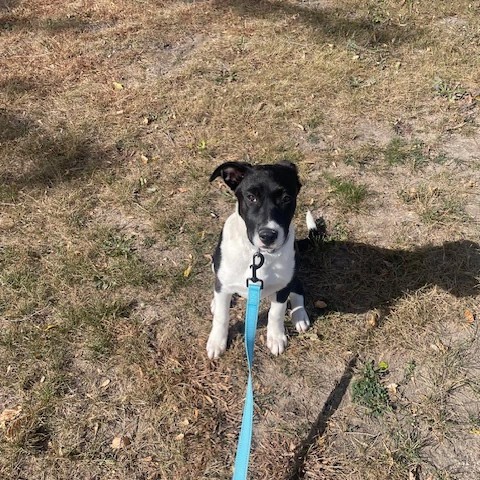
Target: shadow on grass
x,y
58,24
356,277
32,157
19,85
331,24
8,4
13,125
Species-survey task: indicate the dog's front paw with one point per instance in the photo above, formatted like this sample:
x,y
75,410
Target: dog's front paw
x,y
216,345
276,342
300,319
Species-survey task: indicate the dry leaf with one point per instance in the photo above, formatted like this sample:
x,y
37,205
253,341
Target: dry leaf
x,y
117,86
392,391
105,383
185,422
144,159
120,442
469,316
8,415
187,271
320,304
180,436
372,319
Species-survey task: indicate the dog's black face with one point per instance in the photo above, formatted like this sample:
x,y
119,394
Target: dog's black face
x,y
267,197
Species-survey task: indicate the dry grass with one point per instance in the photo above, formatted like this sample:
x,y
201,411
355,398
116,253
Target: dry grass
x,y
112,116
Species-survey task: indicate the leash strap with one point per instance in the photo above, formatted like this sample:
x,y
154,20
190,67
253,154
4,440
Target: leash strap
x,y
245,439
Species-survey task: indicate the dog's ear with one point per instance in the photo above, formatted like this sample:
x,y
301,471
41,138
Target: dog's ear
x,y
293,167
288,164
232,173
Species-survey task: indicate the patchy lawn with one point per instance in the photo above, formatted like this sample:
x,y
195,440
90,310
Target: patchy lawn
x,y
112,117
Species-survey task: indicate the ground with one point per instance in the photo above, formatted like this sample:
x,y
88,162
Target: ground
x,y
112,117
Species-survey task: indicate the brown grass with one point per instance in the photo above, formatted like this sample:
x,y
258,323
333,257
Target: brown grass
x,y
112,117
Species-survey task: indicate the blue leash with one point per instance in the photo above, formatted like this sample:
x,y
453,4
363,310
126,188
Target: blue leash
x,y
255,286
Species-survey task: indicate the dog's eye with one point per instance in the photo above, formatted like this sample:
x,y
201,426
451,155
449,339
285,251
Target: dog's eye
x,y
251,198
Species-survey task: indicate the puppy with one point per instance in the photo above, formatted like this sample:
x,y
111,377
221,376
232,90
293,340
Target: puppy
x,y
266,201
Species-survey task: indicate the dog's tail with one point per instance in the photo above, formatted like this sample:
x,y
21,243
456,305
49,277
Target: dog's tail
x,y
316,232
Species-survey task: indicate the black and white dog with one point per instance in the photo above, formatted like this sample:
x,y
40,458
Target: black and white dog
x,y
266,201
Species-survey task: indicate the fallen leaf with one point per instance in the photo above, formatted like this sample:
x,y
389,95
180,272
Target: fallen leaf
x,y
144,159
372,319
105,383
120,442
311,336
117,86
382,365
320,304
180,436
392,391
185,422
8,415
187,271
469,316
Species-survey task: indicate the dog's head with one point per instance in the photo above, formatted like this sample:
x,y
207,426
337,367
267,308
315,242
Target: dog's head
x,y
267,197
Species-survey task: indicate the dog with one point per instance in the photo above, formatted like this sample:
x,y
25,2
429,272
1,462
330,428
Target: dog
x,y
262,221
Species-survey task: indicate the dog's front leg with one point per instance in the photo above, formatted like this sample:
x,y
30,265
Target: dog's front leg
x,y
217,340
276,338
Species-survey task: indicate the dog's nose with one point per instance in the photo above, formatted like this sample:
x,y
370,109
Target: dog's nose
x,y
267,235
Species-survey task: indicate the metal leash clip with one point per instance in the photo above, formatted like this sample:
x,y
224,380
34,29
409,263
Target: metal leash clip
x,y
255,266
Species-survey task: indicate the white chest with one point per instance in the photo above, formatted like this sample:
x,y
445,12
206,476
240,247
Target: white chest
x,y
237,255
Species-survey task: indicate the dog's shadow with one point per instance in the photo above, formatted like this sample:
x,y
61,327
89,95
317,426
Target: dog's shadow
x,y
353,277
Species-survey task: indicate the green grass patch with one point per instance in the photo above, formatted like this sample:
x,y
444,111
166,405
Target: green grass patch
x,y
400,152
118,245
407,447
348,194
368,390
452,91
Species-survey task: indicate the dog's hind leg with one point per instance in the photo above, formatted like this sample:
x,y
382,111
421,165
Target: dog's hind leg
x,y
217,340
298,313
